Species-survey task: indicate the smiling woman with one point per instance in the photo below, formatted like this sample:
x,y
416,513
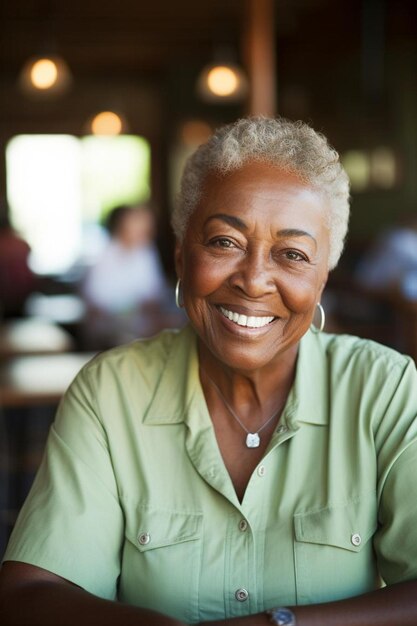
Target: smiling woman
x,y
242,253
244,470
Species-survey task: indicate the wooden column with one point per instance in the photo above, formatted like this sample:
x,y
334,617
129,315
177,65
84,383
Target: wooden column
x,y
3,143
259,50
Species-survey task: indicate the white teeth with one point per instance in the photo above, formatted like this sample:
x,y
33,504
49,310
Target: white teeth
x,y
244,320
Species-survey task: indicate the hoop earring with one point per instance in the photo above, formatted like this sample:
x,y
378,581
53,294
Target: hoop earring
x,y
318,329
178,294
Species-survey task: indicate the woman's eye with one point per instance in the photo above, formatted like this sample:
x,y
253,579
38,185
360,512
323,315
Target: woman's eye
x,y
293,255
222,242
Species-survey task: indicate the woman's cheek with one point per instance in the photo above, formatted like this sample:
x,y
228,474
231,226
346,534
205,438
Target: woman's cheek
x,y
299,295
204,275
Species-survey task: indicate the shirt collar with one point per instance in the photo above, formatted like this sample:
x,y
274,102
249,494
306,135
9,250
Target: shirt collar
x,y
308,399
179,382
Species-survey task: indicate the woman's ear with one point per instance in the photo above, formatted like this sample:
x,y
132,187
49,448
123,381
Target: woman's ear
x,y
323,285
178,258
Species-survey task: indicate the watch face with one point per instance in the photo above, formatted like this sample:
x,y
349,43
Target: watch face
x,y
284,617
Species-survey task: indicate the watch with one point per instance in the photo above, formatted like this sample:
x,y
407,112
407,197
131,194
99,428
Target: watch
x,y
281,616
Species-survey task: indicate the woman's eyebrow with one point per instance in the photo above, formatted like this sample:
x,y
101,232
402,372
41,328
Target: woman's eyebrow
x,y
236,222
294,232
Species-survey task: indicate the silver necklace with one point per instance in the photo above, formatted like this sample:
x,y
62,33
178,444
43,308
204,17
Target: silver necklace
x,y
252,439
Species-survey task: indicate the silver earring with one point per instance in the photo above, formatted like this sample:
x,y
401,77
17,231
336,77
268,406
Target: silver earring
x,y
177,294
319,328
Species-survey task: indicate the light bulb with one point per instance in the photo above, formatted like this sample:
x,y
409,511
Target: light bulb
x,y
106,123
45,77
222,81
44,74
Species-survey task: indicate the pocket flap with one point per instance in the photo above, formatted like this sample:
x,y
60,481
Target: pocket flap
x,y
156,528
348,526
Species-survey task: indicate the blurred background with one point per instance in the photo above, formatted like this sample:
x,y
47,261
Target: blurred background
x,y
101,103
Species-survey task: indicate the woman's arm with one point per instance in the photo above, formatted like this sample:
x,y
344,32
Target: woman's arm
x,y
31,595
395,605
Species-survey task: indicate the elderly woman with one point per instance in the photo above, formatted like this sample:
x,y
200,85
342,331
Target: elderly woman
x,y
248,469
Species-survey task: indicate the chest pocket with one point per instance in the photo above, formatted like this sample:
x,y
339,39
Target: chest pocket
x,y
333,551
162,562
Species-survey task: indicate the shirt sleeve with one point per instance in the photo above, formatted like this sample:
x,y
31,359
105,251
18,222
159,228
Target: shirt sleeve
x,y
71,523
396,538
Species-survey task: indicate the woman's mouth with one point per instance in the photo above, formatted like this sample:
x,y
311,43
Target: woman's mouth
x,y
248,321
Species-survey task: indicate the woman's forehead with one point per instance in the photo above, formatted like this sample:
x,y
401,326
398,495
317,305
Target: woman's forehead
x,y
257,169
261,188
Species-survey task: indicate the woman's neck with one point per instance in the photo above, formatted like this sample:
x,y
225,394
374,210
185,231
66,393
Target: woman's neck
x,y
245,408
251,392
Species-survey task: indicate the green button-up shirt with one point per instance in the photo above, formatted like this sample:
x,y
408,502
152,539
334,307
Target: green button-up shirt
x,y
133,500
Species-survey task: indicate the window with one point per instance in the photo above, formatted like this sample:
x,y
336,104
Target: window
x,y
59,187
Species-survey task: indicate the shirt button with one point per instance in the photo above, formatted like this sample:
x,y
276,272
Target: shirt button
x,y
282,429
356,539
261,470
144,539
243,525
241,595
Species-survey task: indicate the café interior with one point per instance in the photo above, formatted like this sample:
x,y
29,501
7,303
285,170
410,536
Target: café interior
x,y
102,102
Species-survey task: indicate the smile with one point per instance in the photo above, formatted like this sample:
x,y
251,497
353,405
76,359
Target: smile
x,y
250,321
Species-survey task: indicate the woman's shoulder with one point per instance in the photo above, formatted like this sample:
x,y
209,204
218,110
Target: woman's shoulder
x,y
361,378
349,352
141,358
156,347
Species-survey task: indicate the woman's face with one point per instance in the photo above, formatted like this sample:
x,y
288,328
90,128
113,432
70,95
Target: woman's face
x,y
253,264
135,229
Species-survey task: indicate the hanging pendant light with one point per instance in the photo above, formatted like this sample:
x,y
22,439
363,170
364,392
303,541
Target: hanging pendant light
x,y
107,123
45,76
222,82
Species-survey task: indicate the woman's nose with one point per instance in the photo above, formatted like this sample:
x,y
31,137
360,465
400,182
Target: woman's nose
x,y
255,276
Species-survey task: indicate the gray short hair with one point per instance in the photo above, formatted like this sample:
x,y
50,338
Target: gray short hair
x,y
294,146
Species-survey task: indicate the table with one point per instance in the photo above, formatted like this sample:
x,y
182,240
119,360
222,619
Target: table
x,y
67,309
30,389
27,381
32,336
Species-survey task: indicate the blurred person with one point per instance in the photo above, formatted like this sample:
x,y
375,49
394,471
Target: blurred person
x,y
125,288
391,258
17,281
249,469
